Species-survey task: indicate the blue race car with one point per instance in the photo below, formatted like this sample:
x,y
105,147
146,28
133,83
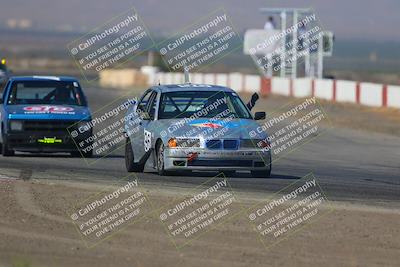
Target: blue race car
x,y
39,112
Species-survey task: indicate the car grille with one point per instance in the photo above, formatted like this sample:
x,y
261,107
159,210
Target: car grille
x,y
220,163
213,144
222,144
47,126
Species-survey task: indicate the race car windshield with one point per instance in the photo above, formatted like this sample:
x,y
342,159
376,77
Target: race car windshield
x,y
46,92
206,104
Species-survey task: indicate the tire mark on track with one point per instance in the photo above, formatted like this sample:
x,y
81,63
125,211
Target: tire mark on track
x,y
24,198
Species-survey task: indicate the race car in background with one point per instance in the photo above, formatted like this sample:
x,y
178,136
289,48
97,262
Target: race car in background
x,y
4,72
195,127
37,111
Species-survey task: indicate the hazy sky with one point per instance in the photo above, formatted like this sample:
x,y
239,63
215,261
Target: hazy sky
x,y
349,19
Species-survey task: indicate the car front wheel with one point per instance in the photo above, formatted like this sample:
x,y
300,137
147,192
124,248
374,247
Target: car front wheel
x,y
4,148
161,160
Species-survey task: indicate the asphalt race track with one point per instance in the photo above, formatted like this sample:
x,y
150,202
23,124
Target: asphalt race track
x,y
352,165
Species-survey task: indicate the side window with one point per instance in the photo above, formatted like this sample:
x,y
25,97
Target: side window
x,y
153,105
144,101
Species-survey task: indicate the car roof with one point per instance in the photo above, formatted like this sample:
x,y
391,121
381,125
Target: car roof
x,y
43,78
190,87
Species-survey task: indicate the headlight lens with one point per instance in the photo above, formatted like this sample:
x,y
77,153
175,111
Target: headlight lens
x,y
255,143
183,142
16,125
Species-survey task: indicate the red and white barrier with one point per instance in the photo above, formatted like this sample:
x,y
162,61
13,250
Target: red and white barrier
x,y
323,89
346,91
369,94
393,96
280,86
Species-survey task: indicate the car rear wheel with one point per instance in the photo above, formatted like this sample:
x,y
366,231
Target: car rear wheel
x,y
161,160
130,165
5,149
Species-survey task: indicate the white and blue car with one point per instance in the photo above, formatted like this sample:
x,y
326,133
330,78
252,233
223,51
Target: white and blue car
x,y
195,127
37,113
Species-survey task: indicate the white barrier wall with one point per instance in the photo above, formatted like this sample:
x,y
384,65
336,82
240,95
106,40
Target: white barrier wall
x,y
393,96
196,78
209,78
302,87
346,91
280,86
252,83
371,94
159,78
178,77
151,73
323,88
222,79
236,81
169,78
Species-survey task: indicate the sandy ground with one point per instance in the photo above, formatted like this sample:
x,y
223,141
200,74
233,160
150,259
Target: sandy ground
x,y
36,232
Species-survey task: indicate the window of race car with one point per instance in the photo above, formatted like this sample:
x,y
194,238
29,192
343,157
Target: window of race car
x,y
183,104
46,92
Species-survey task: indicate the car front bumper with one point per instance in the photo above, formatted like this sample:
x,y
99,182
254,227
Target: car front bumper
x,y
41,142
215,160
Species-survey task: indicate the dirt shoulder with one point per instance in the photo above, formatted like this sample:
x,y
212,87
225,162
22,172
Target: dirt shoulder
x,y
379,120
36,231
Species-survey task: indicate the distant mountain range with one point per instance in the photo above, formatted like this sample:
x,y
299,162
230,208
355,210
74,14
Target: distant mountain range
x,y
350,20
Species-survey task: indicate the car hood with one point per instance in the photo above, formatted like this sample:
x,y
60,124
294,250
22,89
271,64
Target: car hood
x,y
212,128
48,112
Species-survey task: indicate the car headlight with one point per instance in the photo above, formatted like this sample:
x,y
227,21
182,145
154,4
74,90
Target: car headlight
x,y
16,125
255,143
183,142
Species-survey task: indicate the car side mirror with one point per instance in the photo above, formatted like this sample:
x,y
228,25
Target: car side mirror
x,y
253,101
259,116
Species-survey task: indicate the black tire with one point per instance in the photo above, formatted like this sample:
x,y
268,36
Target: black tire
x,y
5,150
160,160
77,154
263,173
229,173
88,154
130,165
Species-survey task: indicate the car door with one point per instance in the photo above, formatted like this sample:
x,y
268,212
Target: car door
x,y
3,122
144,136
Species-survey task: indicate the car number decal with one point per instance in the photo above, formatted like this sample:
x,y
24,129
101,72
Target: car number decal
x,y
147,140
47,109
